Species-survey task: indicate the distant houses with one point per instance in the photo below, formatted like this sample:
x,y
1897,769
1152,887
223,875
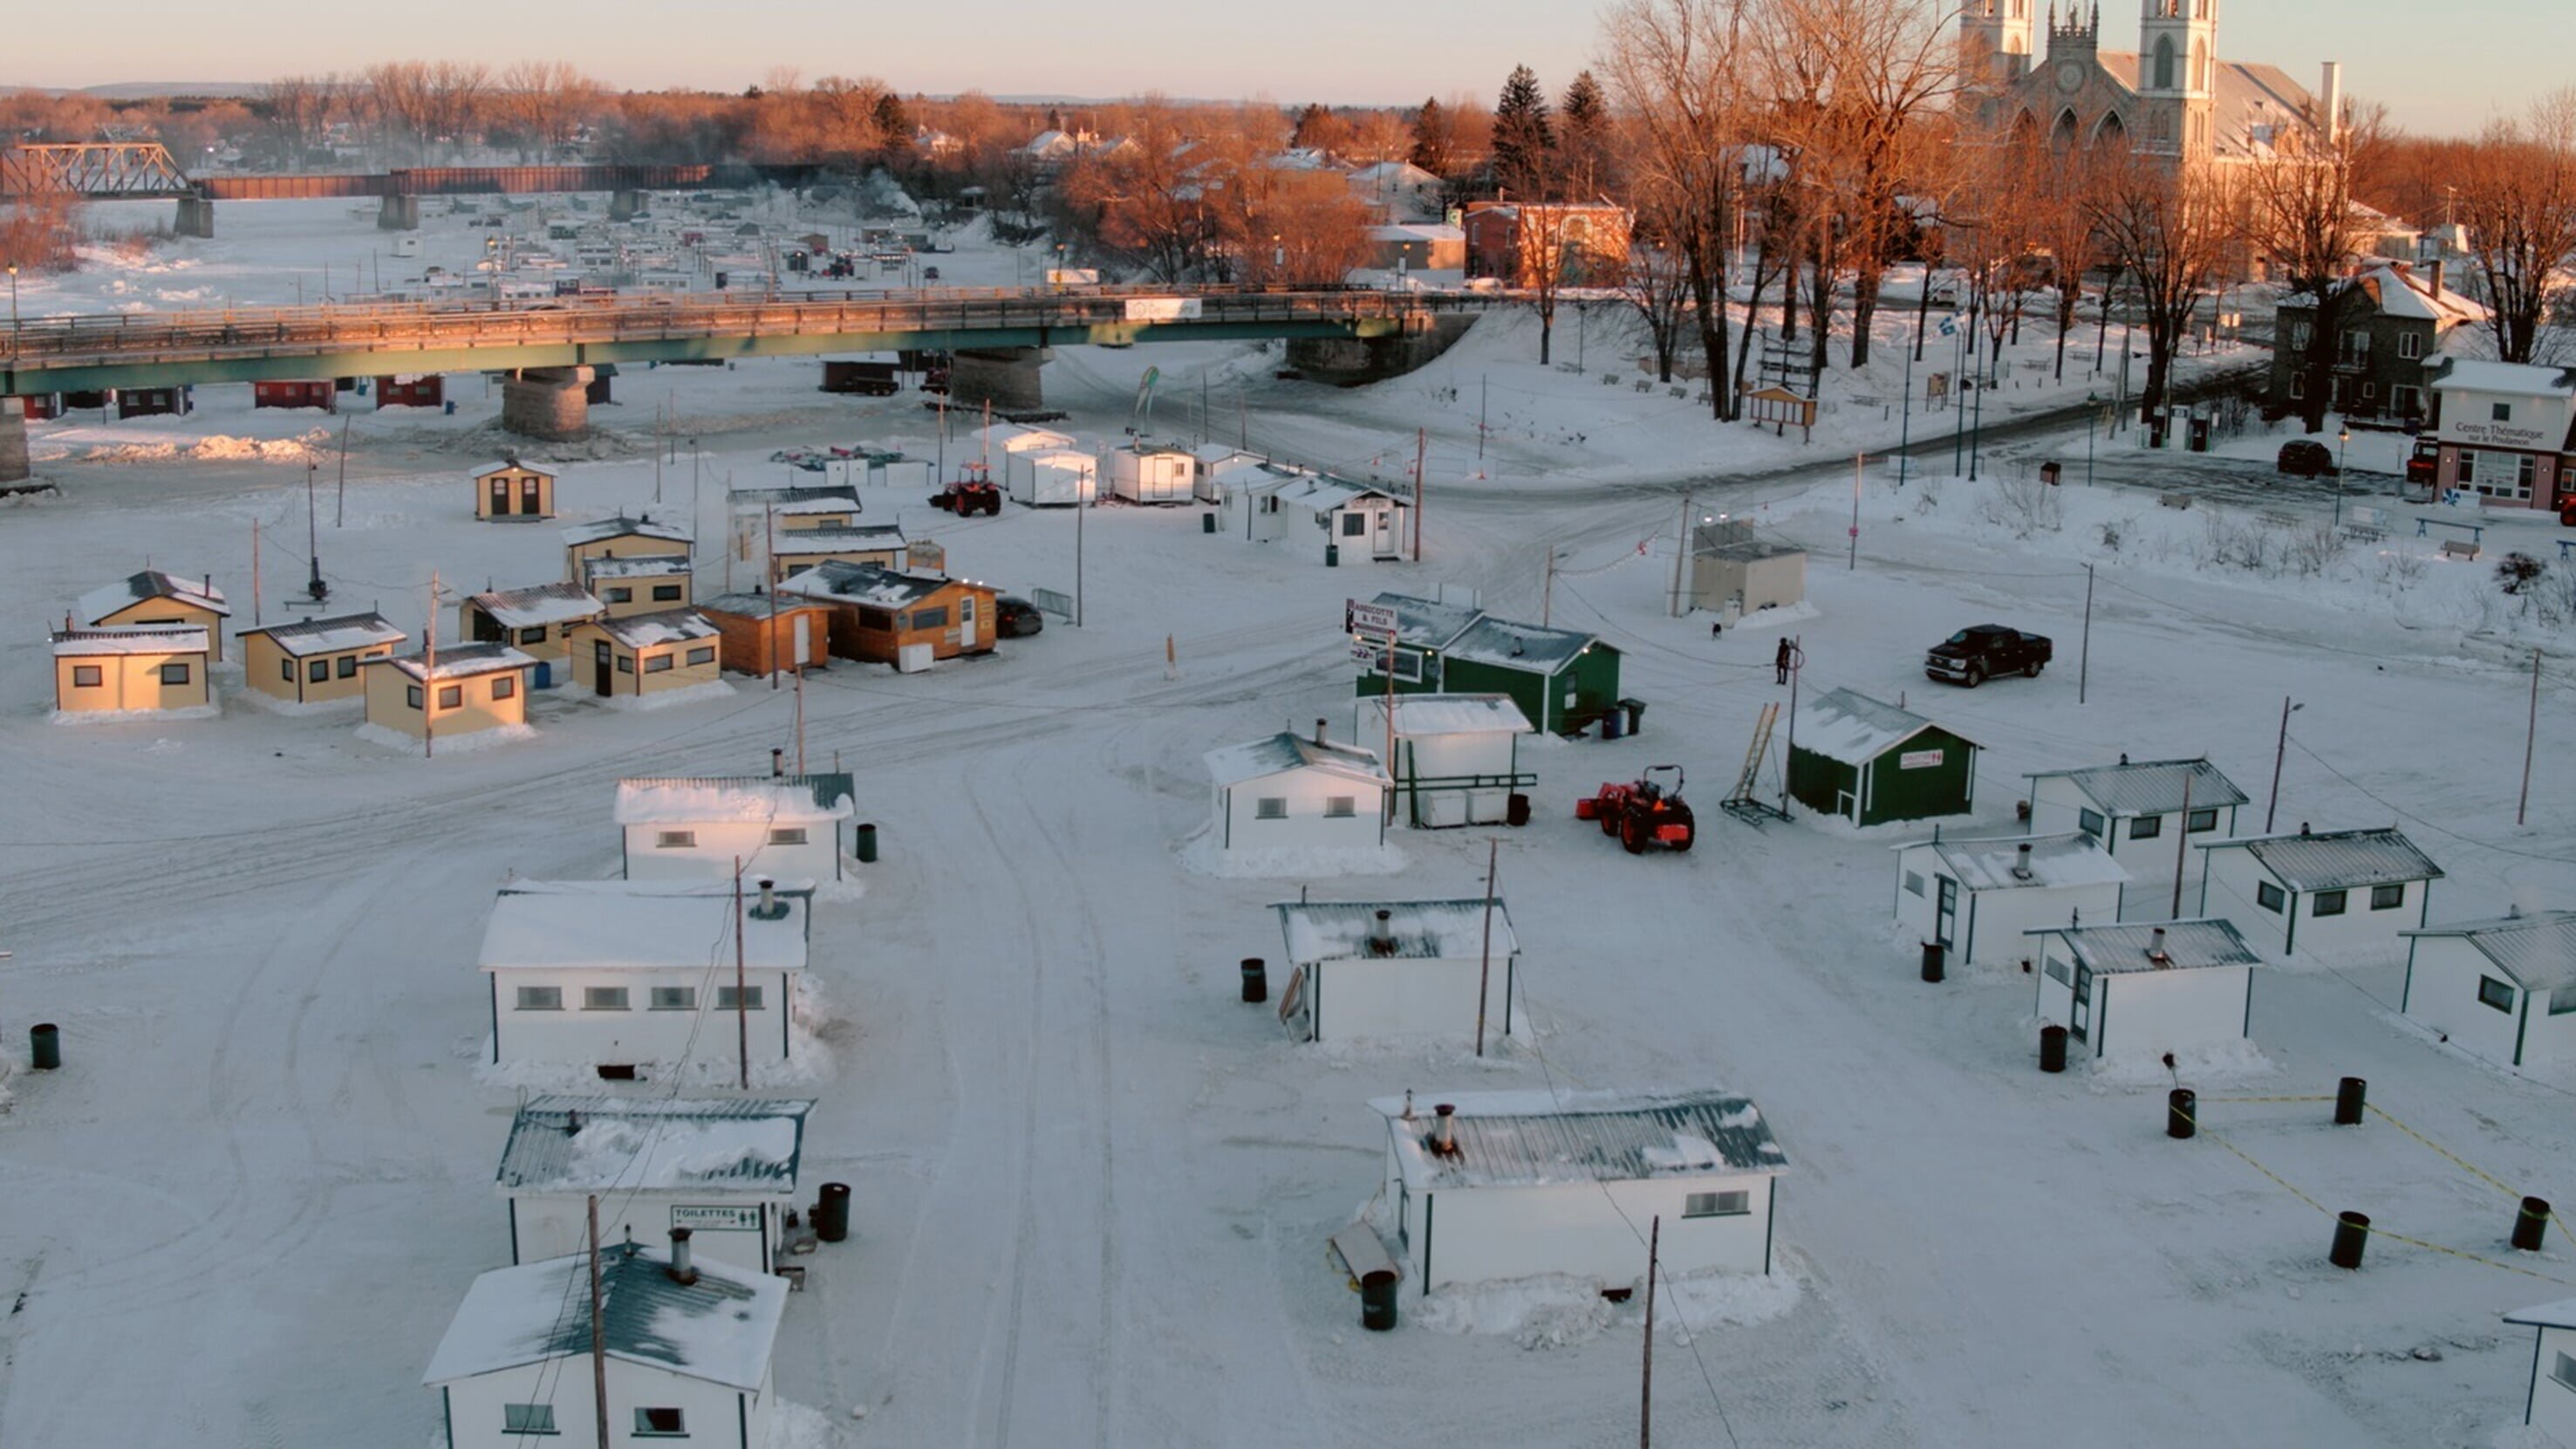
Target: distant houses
x,y
2503,988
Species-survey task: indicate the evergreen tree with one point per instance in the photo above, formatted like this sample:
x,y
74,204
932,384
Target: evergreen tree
x,y
1433,145
1584,136
894,122
1312,122
1524,141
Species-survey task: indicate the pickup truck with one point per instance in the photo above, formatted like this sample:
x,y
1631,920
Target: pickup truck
x,y
1981,651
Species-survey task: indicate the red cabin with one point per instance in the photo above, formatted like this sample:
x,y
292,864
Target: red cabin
x,y
149,402
427,390
301,393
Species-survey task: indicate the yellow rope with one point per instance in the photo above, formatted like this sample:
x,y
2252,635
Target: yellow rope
x,y
2456,1160
2325,1098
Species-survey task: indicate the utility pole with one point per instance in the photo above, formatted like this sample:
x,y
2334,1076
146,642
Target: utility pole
x,y
1481,382
1681,551
340,507
254,573
1547,590
1852,564
1421,486
2182,845
2084,659
1081,506
429,675
741,1010
659,429
2280,749
598,1339
800,715
1797,663
313,534
769,521
1485,964
1646,1378
2530,741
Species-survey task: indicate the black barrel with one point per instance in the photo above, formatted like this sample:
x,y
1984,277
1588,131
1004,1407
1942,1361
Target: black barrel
x,y
2351,1231
2052,1049
832,1212
1207,522
45,1040
2531,1225
1516,809
867,843
1256,980
1377,1300
2182,1112
1932,954
2348,1099
1332,555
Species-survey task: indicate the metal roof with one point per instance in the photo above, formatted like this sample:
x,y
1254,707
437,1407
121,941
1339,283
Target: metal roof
x,y
1426,623
2187,945
797,498
656,798
147,586
1453,714
2537,949
2072,859
1518,1139
1282,752
1857,729
720,1328
862,583
754,606
1419,930
537,604
456,660
1507,645
129,639
2338,860
800,542
625,1144
637,566
324,636
651,631
2561,1314
622,526
2149,787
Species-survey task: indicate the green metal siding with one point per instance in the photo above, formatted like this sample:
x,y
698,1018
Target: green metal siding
x,y
1818,782
1593,673
1896,793
1528,690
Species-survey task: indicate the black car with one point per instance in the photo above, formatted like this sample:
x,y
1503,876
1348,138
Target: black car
x,y
1981,651
2306,458
1018,617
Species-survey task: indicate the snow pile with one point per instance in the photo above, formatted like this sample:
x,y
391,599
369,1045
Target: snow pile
x,y
119,716
352,704
798,1426
220,448
1202,855
1703,1301
662,1152
647,703
1548,1311
2235,1061
376,734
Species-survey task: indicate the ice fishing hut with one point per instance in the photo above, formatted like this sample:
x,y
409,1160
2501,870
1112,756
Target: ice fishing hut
x,y
475,688
696,827
2178,986
2142,812
1053,478
1289,792
1142,472
315,661
794,552
2503,989
1734,573
639,585
727,1170
513,492
538,620
153,597
1871,763
1248,502
621,537
1980,899
762,633
2549,1400
888,616
1493,1186
1356,520
1212,464
135,670
643,655
1457,757
1369,970
2339,891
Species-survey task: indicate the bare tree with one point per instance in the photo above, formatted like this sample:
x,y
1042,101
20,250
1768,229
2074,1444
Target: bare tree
x,y
547,102
1655,278
2061,224
2167,230
2300,212
2517,198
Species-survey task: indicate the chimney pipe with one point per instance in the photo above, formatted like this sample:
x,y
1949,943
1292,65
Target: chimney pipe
x,y
683,1271
1444,1133
768,899
2332,122
1381,935
1408,1104
777,762
572,1122
2021,861
1319,731
2156,948
2437,279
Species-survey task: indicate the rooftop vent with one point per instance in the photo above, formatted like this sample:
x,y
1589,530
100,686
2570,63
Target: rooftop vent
x,y
771,908
2156,948
1444,1133
683,1271
2021,862
1381,934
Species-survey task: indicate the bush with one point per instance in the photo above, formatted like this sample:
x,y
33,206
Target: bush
x,y
2518,573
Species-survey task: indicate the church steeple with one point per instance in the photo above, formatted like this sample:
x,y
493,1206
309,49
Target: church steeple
x,y
2178,74
1995,46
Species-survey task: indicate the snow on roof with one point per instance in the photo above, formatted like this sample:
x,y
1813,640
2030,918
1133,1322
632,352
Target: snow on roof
x,y
2149,787
2561,1314
642,566
2336,860
1418,231
862,583
629,1144
652,631
2072,859
798,500
1509,645
1525,1138
1422,930
1419,715
1855,728
149,585
2521,379
456,661
1323,494
2187,945
1426,623
2537,948
602,530
129,639
804,542
1143,449
1283,752
537,604
674,799
511,465
330,636
640,926
2395,290
753,606
720,1328
1017,438
1223,453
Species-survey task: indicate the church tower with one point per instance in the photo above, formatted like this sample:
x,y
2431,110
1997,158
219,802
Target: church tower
x,y
2178,77
1995,44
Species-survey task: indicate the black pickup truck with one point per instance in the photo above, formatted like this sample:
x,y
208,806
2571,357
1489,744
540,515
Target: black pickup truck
x,y
1981,651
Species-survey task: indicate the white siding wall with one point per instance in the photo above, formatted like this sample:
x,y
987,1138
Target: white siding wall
x,y
1360,998
2231,895
1306,825
574,1037
1244,515
551,1225
720,842
1484,1234
2054,803
2004,917
2360,932
711,1412
2553,1404
2149,1012
2442,993
1914,913
1433,756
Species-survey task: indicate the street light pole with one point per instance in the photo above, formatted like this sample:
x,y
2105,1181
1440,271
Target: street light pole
x,y
1976,432
2092,425
2343,445
2280,749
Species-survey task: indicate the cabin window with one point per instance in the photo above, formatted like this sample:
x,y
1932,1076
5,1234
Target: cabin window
x,y
536,635
626,664
1354,524
504,686
411,696
286,670
622,594
675,998
2330,903
2200,821
703,654
1914,882
451,696
2497,994
2057,972
2268,896
603,998
787,835
1341,807
319,671
659,1424
2146,827
1270,807
87,676
749,1001
348,666
174,674
666,593
2410,345
930,618
2564,1370
2090,822
876,621
2562,1001
528,1419
1717,1204
540,998
2387,897
658,663
2500,412
675,840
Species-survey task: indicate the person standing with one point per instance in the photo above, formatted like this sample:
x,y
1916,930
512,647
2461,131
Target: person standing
x,y
1780,663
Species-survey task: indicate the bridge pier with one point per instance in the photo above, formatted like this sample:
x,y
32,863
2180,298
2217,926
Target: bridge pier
x,y
626,205
13,440
1006,377
1349,361
196,216
399,213
547,403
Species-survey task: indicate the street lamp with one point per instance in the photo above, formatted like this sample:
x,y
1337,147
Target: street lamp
x,y
13,309
1059,266
1278,259
2092,425
2343,445
1976,431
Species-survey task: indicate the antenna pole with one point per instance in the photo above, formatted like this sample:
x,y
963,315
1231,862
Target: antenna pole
x,y
429,676
741,1009
1646,1377
1485,967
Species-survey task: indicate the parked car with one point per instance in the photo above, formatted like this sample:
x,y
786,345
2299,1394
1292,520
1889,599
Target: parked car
x,y
2306,458
1981,651
1017,617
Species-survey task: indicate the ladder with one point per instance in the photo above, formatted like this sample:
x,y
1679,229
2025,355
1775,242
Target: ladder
x,y
1744,805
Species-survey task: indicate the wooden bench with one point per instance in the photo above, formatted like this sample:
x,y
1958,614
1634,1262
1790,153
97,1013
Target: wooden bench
x,y
2563,544
2365,533
2174,500
2454,548
1362,1253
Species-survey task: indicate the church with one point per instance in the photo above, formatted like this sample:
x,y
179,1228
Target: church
x,y
2171,99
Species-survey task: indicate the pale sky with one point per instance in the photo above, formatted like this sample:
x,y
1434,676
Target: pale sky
x,y
2439,69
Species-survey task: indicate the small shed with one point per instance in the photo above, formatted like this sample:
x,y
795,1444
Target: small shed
x,y
153,402
1872,763
423,390
908,620
795,552
296,393
1562,679
2340,891
1457,756
538,619
2178,986
697,827
478,687
1354,519
621,537
819,505
2504,988
153,597
1212,464
685,1344
2549,1400
1980,899
315,661
514,492
1493,1186
1008,438
617,973
1734,573
639,585
761,633
726,1170
135,669
1248,502
1053,478
642,655
2142,812
1289,792
1370,970
1145,473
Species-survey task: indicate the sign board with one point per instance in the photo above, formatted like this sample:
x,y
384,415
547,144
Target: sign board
x,y
715,1219
1368,652
1919,760
1375,619
1051,602
1073,277
1162,309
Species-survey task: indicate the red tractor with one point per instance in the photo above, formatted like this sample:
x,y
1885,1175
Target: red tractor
x,y
974,493
1643,812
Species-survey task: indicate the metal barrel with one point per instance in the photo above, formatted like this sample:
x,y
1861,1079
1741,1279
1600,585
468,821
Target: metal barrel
x,y
2349,1095
867,843
1256,980
2052,1049
2352,1230
45,1042
1377,1300
2531,1224
2182,1113
1932,960
832,1212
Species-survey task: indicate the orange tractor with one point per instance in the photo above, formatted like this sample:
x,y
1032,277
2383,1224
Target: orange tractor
x,y
1643,812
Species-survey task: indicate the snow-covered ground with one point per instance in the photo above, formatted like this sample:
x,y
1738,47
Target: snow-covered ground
x,y
1092,1189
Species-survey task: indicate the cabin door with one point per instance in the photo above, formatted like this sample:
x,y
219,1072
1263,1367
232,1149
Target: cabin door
x,y
603,667
804,626
528,497
1945,914
500,497
1382,533
2079,1012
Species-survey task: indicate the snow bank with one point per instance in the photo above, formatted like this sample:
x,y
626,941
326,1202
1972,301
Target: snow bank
x,y
220,448
647,703
1201,855
127,716
354,704
1554,1310
376,734
798,1426
2235,1061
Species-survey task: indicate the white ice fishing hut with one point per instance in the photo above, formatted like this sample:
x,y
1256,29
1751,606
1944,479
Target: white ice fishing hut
x,y
2139,812
2504,989
2549,1401
1980,899
726,1170
1457,756
2143,990
2341,891
1145,473
1364,970
1290,792
1489,1186
696,827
